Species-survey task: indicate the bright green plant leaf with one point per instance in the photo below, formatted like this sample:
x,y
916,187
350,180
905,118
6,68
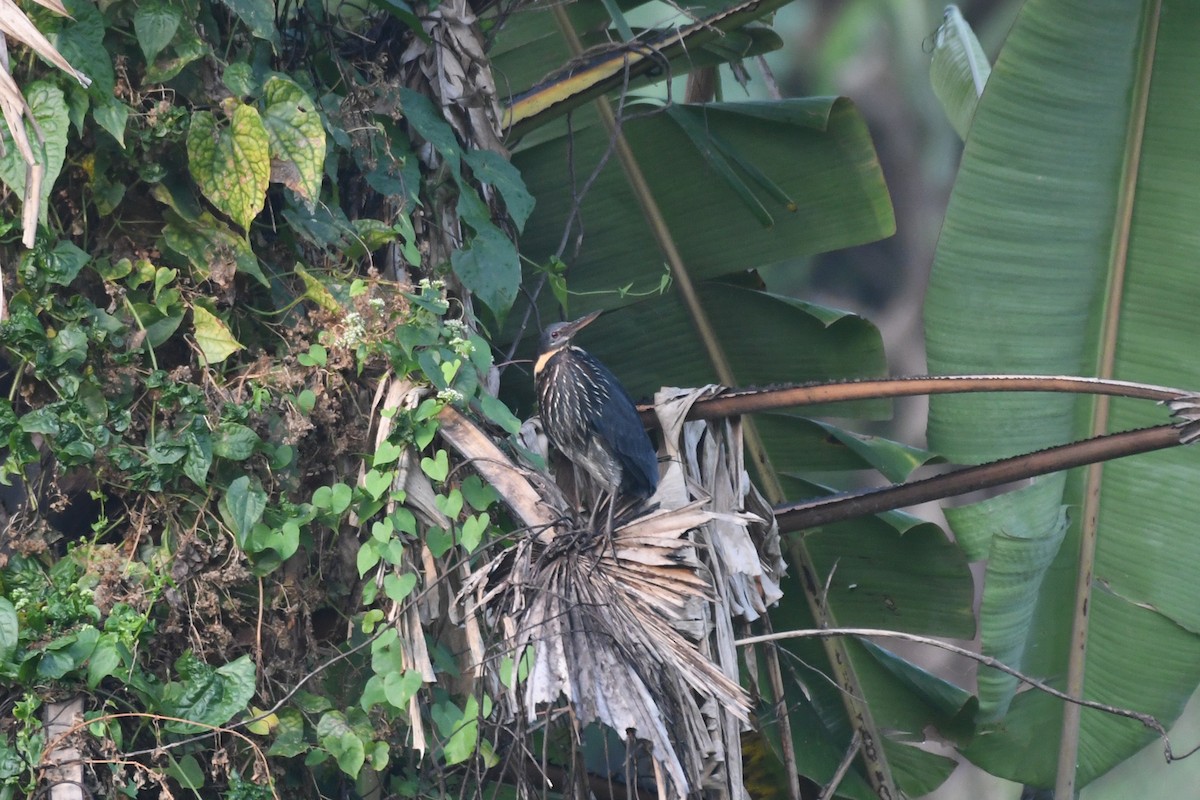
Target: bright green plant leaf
x,y
243,506
367,557
959,69
9,629
478,494
297,138
213,336
49,108
199,457
449,504
207,695
344,744
399,587
154,24
386,453
460,729
61,264
377,483
104,661
471,532
438,467
231,163
399,687
1082,130
111,115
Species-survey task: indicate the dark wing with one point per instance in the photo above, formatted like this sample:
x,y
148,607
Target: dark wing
x,y
616,422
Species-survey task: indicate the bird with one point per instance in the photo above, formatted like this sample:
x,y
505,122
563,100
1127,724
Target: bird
x,y
590,418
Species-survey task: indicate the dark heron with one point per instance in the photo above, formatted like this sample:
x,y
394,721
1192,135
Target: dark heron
x,y
589,417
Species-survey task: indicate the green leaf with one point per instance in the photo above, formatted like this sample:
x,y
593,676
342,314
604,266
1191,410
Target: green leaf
x,y
478,494
386,453
206,695
289,734
438,467
495,170
231,163
190,48
399,587
209,245
377,483
111,114
367,557
1068,245
499,413
817,151
344,744
297,138
81,42
9,630
460,729
104,661
243,506
258,16
490,267
213,337
62,264
471,532
187,771
154,25
959,70
400,687
49,108
199,457
235,441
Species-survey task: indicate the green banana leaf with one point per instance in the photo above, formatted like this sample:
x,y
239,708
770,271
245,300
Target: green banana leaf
x,y
816,153
1070,243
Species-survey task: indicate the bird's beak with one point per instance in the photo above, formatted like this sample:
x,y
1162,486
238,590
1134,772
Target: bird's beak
x,y
581,323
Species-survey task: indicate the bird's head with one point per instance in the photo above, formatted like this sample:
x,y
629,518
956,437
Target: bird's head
x,y
558,335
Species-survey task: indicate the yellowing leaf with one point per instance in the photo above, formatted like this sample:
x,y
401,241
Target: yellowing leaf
x,y
231,164
213,337
297,138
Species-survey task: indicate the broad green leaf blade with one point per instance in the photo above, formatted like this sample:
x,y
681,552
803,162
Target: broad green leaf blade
x,y
1080,184
154,24
231,163
959,70
817,151
49,108
1019,551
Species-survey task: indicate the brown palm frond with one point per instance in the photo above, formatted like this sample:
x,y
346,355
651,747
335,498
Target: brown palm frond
x,y
636,631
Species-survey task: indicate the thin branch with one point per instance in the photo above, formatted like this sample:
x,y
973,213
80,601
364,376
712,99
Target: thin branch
x,y
988,661
826,510
734,402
